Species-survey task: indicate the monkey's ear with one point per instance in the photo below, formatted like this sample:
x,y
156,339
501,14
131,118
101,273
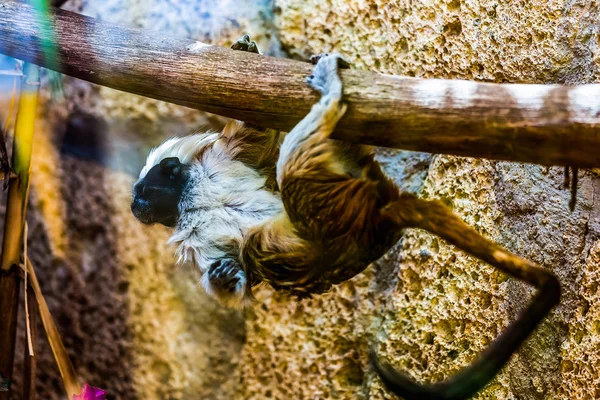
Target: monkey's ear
x,y
171,166
232,127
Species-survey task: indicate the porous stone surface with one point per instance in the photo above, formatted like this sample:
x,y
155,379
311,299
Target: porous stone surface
x,y
506,41
133,323
426,306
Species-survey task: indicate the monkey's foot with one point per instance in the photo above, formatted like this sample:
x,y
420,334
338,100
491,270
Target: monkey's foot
x,y
325,78
225,280
341,62
245,44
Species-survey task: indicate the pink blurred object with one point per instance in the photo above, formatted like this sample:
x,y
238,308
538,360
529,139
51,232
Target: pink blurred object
x,y
90,393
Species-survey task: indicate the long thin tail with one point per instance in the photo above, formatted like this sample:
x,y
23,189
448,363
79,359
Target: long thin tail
x,y
434,217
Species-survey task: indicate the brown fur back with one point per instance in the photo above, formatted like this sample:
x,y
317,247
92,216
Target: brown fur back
x,y
256,147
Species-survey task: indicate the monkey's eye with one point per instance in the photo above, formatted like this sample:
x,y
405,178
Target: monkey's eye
x,y
172,177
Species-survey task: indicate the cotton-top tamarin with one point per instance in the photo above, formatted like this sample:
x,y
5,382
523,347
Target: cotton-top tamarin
x,y
303,212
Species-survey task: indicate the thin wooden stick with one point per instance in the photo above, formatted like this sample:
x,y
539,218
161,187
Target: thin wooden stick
x,y
65,367
25,297
545,124
30,361
18,192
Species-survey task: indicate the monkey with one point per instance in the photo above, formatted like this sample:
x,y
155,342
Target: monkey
x,y
211,188
302,212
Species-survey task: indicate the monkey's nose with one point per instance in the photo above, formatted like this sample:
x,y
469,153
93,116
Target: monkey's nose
x,y
139,208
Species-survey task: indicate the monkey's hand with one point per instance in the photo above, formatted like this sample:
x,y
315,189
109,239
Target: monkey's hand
x,y
226,281
245,44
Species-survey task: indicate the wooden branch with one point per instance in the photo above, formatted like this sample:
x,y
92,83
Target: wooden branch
x,y
545,124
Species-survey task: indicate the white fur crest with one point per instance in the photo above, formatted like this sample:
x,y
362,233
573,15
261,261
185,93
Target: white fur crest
x,y
184,148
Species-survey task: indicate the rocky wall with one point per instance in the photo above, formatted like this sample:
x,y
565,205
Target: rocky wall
x,y
426,306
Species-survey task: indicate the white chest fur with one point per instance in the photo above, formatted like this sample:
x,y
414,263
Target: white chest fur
x,y
223,199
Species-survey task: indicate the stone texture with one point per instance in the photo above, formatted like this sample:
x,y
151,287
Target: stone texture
x,y
426,306
132,322
505,41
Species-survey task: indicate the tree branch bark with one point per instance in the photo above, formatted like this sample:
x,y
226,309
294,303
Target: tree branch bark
x,y
544,124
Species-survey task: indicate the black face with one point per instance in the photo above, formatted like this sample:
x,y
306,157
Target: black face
x,y
156,196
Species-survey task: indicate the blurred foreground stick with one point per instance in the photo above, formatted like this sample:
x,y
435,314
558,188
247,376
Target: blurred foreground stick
x,y
544,124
